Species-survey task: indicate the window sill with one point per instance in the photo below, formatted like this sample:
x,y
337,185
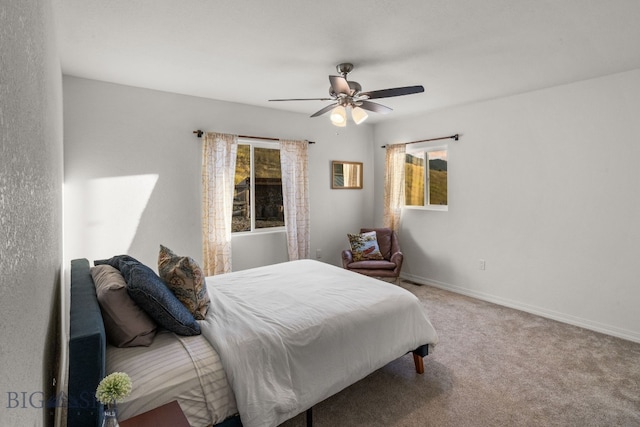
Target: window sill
x,y
428,208
271,230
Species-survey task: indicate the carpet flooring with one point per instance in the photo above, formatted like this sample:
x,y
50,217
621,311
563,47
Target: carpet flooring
x,y
495,366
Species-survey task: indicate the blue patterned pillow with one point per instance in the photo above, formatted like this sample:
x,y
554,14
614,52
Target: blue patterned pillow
x,y
153,296
150,293
122,262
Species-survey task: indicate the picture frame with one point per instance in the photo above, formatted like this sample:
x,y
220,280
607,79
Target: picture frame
x,y
346,175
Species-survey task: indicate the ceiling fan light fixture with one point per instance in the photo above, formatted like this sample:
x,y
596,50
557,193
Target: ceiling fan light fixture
x,y
358,115
339,116
348,95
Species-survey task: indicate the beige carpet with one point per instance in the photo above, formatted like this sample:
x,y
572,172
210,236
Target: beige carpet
x,y
495,366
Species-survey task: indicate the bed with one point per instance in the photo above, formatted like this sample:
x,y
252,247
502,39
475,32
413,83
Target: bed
x,y
276,340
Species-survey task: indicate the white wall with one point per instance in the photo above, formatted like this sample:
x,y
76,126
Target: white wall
x,y
544,187
132,173
30,210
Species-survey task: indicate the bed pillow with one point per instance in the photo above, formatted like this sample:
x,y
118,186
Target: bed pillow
x,y
149,292
122,262
126,324
185,279
364,246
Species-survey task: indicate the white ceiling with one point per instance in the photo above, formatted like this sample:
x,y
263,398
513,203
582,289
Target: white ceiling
x,y
249,51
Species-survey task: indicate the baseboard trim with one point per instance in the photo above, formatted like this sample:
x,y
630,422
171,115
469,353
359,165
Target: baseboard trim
x,y
539,311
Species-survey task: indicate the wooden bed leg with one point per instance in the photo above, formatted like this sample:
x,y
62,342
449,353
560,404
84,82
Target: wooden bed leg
x,y
419,362
309,418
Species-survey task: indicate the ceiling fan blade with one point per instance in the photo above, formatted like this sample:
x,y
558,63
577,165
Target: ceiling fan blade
x,y
324,110
340,85
376,108
388,93
303,99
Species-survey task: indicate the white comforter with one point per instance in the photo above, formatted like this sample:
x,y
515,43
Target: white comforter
x,y
290,335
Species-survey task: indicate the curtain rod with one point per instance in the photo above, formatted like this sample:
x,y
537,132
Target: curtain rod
x,y
199,134
454,137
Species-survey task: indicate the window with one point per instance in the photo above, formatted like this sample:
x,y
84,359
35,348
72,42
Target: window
x,y
426,177
257,201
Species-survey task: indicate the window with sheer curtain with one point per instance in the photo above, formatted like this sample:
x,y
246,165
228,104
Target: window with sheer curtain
x,y
252,186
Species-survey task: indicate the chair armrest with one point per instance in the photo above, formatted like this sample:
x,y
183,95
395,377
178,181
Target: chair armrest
x,y
347,258
397,259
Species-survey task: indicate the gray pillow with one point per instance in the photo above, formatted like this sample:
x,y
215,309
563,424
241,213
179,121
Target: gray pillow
x,y
126,324
151,293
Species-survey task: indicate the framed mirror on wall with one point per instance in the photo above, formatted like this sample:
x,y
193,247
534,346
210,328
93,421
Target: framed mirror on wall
x,y
346,175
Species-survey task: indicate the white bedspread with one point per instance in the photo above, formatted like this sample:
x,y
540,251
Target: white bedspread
x,y
292,334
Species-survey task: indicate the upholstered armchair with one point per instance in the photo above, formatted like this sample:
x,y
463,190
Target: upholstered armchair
x,y
389,267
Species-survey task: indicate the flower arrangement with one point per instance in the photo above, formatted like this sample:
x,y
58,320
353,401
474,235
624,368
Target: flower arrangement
x,y
113,388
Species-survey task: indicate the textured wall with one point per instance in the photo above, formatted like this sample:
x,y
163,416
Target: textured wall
x,y
30,209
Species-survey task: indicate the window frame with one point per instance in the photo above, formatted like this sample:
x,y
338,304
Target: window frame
x,y
253,144
425,149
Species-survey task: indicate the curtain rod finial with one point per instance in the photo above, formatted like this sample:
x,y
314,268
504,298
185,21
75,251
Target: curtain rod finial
x,y
198,133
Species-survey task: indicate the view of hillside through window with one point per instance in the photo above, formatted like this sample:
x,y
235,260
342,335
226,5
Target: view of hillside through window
x,y
416,178
268,207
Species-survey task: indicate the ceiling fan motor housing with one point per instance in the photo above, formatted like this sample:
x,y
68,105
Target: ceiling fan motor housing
x,y
355,89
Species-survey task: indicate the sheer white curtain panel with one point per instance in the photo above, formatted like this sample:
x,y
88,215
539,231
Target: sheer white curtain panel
x,y
295,192
394,185
218,173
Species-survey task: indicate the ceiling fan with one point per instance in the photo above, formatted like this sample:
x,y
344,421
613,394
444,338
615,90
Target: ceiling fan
x,y
349,95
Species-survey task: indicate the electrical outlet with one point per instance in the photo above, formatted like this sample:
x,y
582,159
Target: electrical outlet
x,y
482,264
318,253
